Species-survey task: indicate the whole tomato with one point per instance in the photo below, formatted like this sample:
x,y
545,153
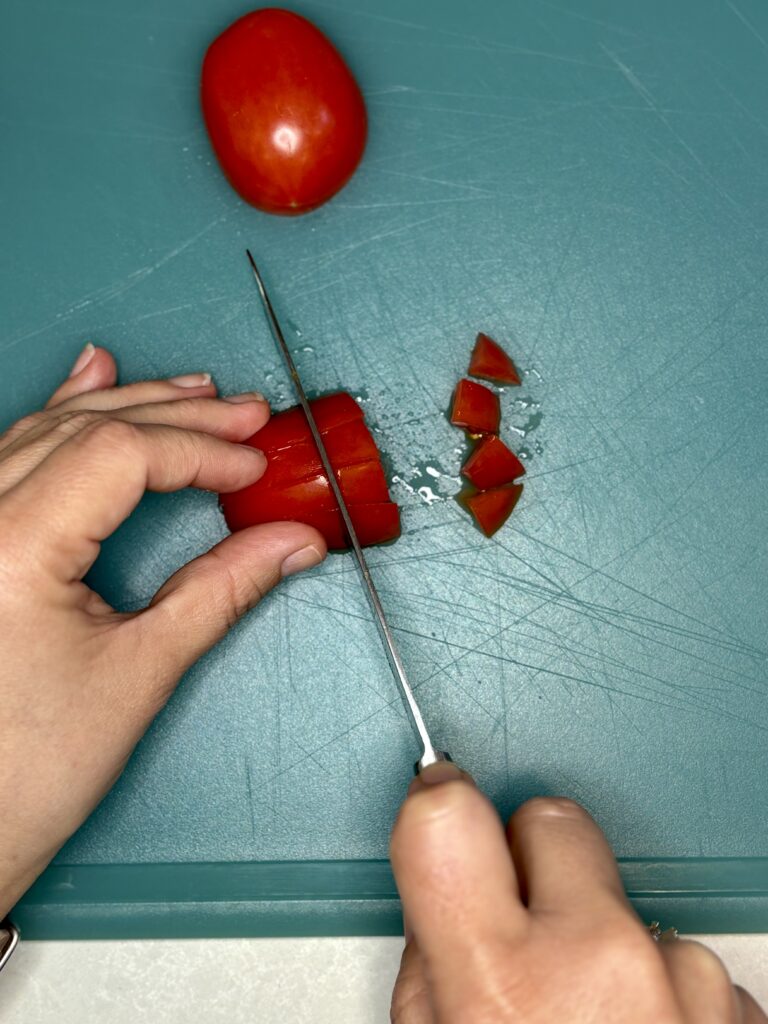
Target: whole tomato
x,y
285,116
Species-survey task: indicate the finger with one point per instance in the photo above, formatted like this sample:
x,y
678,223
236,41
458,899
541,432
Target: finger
x,y
563,860
232,422
454,873
701,984
202,601
193,385
93,369
751,1012
83,490
410,997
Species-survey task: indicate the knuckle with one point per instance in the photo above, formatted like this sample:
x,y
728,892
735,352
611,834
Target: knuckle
x,y
109,434
705,965
549,807
23,426
71,423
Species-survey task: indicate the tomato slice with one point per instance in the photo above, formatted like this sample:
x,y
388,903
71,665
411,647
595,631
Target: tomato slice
x,y
492,464
346,445
476,408
491,362
284,429
294,486
492,508
374,524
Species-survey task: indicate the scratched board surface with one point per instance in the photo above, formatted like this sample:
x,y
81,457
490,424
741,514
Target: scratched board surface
x,y
585,181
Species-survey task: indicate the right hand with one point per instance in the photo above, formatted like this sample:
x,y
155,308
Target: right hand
x,y
532,926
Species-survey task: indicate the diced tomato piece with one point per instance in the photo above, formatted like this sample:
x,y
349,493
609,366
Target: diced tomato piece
x,y
294,486
492,508
476,408
491,362
492,464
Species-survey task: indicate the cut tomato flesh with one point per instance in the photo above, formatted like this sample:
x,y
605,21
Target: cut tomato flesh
x,y
491,362
346,445
476,408
492,464
294,485
492,508
289,427
374,524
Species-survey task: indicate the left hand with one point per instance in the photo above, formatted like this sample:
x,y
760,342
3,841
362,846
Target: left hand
x,y
79,682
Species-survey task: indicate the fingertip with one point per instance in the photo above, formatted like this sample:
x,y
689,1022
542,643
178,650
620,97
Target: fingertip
x,y
93,370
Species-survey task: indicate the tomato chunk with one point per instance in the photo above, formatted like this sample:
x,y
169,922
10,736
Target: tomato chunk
x,y
491,362
295,487
492,464
476,408
492,508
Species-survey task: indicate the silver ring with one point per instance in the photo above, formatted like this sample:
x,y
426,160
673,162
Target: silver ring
x,y
667,935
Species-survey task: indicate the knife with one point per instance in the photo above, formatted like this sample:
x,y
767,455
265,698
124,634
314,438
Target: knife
x,y
429,755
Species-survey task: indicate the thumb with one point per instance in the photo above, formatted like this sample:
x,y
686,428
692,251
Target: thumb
x,y
456,881
203,600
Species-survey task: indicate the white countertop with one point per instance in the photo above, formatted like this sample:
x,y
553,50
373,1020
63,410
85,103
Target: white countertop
x,y
242,981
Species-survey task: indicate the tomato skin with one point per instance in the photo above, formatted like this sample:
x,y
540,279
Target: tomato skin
x,y
491,509
285,116
475,408
490,362
492,464
294,486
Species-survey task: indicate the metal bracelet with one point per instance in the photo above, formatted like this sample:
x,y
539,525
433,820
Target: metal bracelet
x,y
9,940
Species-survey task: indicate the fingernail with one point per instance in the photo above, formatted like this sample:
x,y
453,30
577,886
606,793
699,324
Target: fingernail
x,y
191,380
441,771
247,396
300,560
83,359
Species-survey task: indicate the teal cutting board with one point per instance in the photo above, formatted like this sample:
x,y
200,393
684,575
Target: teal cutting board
x,y
586,182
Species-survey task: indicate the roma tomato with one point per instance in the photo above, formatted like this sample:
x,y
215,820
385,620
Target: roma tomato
x,y
295,487
475,408
492,464
285,116
491,362
491,509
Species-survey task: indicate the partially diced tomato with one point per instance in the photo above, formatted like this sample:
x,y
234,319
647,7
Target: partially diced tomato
x,y
294,486
491,362
492,464
476,408
492,508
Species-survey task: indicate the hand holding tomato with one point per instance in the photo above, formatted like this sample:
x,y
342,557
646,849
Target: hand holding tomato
x,y
79,682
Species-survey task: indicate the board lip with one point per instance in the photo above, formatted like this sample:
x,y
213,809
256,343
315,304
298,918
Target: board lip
x,y
340,897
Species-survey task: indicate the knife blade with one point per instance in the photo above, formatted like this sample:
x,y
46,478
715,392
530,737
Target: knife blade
x,y
429,755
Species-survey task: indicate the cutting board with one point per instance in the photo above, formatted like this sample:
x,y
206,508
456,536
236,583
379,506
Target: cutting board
x,y
587,183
